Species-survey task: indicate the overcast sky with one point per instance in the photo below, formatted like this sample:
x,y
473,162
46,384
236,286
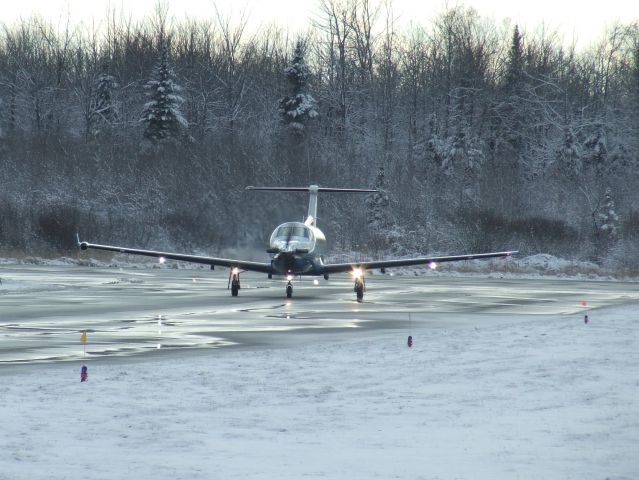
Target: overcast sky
x,y
584,20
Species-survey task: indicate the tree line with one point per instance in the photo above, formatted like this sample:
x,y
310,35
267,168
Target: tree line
x,y
481,136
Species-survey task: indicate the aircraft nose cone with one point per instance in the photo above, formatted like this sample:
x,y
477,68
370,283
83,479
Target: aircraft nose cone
x,y
291,247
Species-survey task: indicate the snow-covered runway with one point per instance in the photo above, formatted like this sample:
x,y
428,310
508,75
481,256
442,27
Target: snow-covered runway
x,y
504,380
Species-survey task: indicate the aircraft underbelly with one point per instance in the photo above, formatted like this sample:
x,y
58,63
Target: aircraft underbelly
x,y
293,264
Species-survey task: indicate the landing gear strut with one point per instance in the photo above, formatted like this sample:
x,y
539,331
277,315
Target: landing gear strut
x,y
234,281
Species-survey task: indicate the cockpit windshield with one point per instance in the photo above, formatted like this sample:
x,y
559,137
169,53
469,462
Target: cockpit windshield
x,y
293,231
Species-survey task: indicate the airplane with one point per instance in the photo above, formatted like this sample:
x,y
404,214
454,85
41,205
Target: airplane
x,y
297,249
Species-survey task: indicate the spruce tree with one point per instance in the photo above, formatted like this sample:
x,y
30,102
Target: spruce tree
x,y
515,65
513,111
299,107
162,112
102,110
377,204
569,156
609,224
597,149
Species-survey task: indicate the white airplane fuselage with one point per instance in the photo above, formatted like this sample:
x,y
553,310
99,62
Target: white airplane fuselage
x,y
296,248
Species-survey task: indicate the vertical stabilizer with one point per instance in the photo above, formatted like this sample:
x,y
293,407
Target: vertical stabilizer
x,y
312,206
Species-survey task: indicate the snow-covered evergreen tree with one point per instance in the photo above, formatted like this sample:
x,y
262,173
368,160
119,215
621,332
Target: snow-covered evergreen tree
x,y
459,154
513,108
299,107
377,204
597,149
102,107
608,223
515,63
162,112
568,156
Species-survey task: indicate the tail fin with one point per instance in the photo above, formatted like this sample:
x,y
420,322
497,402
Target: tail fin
x,y
313,191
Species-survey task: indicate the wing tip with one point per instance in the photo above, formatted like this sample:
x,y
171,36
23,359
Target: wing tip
x,y
81,244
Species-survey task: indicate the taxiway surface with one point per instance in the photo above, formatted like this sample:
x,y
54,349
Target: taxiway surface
x,y
144,312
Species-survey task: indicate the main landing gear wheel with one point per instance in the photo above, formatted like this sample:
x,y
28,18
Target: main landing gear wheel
x,y
234,281
359,290
289,290
358,276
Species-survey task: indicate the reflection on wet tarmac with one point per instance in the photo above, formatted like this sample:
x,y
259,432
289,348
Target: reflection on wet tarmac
x,y
272,307
43,309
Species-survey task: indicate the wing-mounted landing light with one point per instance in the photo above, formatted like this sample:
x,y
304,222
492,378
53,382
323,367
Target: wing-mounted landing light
x,y
357,273
432,265
358,277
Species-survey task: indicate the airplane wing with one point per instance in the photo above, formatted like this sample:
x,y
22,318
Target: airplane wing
x,y
222,262
347,267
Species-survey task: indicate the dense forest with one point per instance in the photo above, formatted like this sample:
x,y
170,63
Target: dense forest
x,y
480,136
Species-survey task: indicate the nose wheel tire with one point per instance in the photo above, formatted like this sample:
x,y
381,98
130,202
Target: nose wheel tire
x,y
289,291
235,289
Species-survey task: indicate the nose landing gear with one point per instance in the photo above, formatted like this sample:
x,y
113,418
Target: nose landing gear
x,y
289,286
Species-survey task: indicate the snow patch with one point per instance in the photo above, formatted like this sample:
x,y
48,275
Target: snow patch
x,y
502,397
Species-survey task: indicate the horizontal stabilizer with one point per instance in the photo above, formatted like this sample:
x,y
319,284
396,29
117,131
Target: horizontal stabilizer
x,y
317,189
313,190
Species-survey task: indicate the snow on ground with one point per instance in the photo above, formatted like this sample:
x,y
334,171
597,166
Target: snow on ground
x,y
525,397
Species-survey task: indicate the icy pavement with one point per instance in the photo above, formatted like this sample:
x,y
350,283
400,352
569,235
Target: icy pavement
x,y
145,312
